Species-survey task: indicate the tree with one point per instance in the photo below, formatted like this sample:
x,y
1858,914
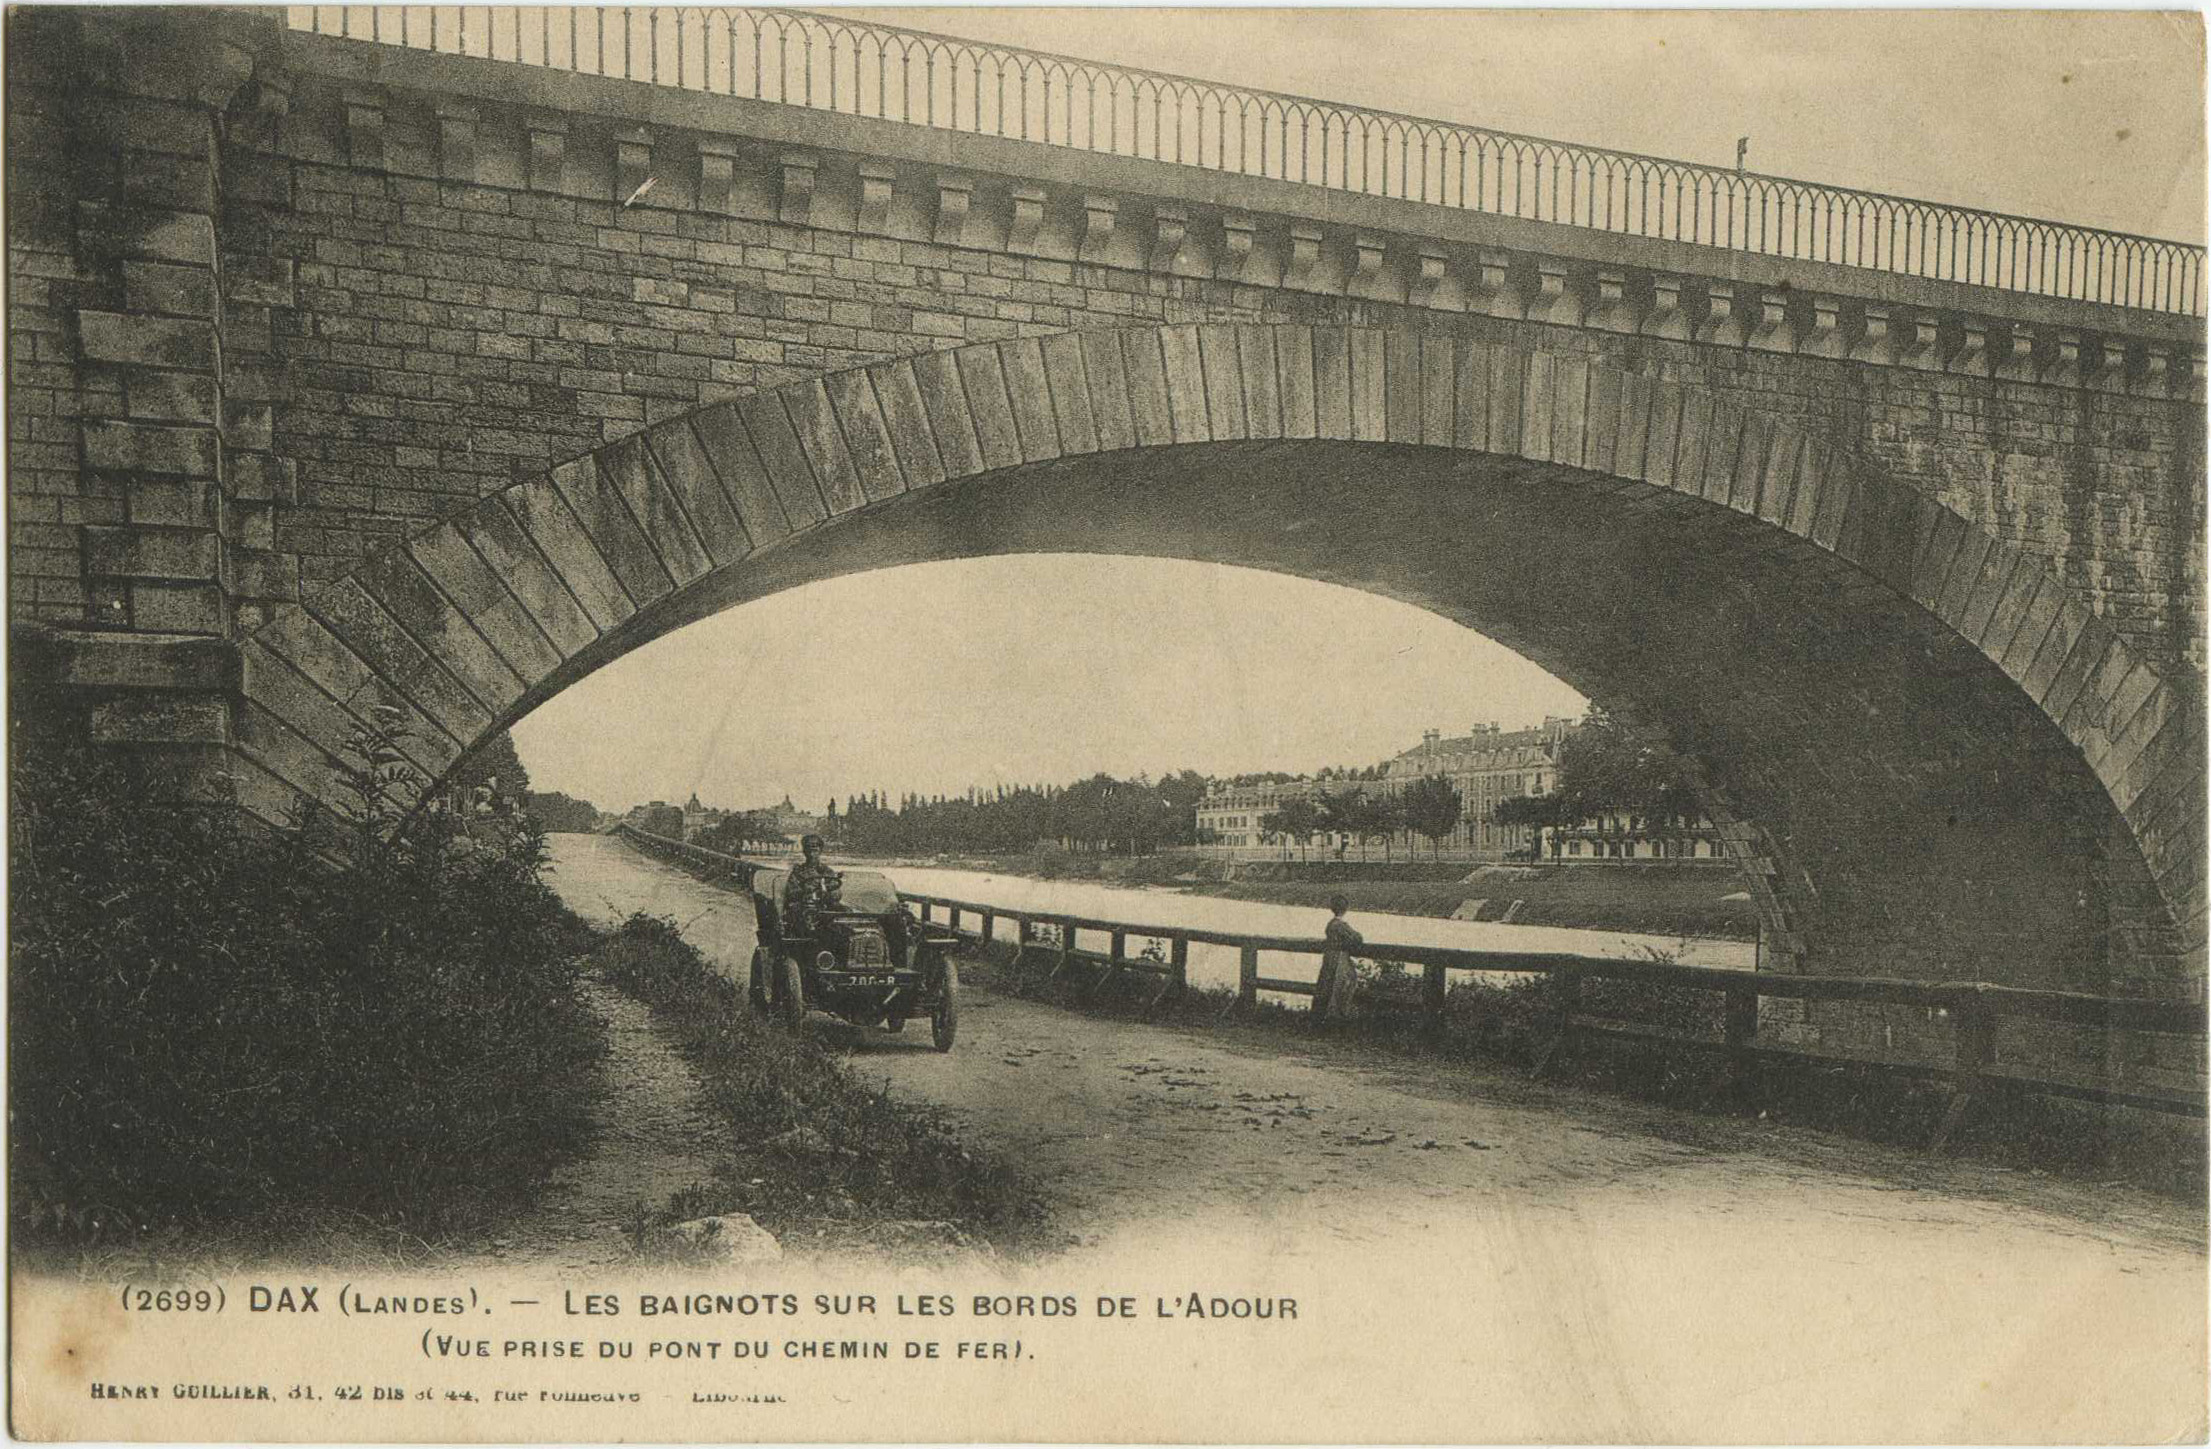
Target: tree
x,y
493,760
1432,807
1183,790
1297,818
1361,816
1340,812
556,811
1535,813
1383,816
1605,766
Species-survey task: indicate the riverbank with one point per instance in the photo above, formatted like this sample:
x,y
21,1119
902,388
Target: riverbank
x,y
1675,901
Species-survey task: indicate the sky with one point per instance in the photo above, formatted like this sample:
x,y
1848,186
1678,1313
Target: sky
x,y
1025,669
2085,116
1048,668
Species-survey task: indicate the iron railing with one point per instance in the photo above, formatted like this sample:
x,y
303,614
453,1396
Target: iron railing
x,y
885,72
1050,944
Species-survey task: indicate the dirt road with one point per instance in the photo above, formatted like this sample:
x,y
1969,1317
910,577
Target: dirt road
x,y
656,1137
1278,1131
1585,1221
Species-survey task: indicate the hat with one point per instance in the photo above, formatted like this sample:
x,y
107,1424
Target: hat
x,y
1338,904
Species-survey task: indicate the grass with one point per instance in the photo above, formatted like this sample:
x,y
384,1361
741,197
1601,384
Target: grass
x,y
820,1153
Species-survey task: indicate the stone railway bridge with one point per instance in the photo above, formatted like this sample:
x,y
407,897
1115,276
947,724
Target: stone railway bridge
x,y
346,373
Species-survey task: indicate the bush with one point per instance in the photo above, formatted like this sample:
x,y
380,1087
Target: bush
x,y
214,1023
846,1150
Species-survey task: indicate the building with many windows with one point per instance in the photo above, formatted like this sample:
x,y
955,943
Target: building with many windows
x,y
1486,766
1230,813
1618,835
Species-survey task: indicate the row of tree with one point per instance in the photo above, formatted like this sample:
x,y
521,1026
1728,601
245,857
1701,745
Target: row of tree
x,y
1101,814
1431,806
1603,769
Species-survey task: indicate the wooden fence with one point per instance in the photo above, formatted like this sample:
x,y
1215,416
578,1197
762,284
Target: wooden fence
x,y
1973,1007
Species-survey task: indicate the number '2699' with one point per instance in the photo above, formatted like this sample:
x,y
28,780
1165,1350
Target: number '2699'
x,y
172,1300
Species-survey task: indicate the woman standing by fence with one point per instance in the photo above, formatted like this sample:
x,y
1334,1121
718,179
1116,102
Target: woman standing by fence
x,y
1338,976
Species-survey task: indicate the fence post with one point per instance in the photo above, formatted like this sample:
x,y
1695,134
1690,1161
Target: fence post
x,y
1976,1049
1433,988
1020,950
1066,951
1247,977
928,911
1115,951
1742,1034
1568,984
990,928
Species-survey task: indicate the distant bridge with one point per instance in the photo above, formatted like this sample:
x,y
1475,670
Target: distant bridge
x,y
375,373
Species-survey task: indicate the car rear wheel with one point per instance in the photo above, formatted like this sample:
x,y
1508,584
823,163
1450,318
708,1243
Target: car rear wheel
x,y
793,1004
944,1023
756,991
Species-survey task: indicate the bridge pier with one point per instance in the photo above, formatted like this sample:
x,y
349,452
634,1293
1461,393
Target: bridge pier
x,y
145,522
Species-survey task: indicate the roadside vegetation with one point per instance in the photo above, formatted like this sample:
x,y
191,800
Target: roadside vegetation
x,y
817,1154
226,1033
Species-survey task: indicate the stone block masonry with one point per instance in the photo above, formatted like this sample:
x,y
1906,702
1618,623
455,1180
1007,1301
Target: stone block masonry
x,y
439,378
438,325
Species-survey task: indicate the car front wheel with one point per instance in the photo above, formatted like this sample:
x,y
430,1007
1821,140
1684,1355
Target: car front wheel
x,y
756,990
793,1003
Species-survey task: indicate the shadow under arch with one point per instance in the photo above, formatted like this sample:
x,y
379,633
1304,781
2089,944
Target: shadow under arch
x,y
1930,757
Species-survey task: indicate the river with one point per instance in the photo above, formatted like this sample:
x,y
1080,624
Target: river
x,y
1217,965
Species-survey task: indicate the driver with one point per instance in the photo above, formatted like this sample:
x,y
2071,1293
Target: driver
x,y
812,885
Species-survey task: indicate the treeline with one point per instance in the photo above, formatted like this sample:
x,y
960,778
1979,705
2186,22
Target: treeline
x,y
556,812
1602,769
1101,814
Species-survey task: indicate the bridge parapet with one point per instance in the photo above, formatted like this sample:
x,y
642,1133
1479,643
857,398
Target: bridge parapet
x,y
781,240
843,65
1735,261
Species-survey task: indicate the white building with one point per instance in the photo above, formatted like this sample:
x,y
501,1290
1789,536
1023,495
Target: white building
x,y
1486,765
1229,815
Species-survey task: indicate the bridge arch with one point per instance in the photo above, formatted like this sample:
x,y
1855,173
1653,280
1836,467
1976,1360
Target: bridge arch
x,y
1931,756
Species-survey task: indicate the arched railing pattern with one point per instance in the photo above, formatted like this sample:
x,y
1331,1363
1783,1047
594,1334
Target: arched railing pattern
x,y
884,72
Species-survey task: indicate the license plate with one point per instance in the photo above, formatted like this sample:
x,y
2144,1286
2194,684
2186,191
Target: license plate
x,y
874,979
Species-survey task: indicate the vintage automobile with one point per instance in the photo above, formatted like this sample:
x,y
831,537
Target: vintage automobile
x,y
853,952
